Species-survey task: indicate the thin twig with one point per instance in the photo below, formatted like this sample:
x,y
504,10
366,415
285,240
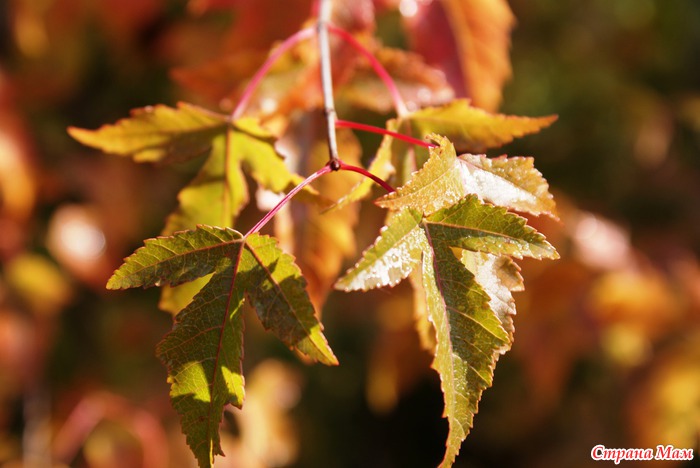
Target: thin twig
x,y
399,103
327,81
254,82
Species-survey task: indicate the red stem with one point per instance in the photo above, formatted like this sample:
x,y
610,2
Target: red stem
x,y
324,170
383,131
366,173
330,167
315,8
303,34
399,103
254,82
334,164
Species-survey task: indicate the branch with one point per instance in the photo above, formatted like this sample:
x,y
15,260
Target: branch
x,y
327,81
331,166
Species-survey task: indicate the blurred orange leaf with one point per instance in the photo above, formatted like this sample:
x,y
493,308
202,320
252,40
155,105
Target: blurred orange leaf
x,y
420,84
467,39
321,241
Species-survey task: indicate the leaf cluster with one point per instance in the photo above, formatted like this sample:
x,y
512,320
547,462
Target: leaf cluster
x,y
450,228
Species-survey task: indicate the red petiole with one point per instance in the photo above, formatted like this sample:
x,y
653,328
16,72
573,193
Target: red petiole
x,y
324,170
330,167
290,42
399,103
307,33
366,173
383,131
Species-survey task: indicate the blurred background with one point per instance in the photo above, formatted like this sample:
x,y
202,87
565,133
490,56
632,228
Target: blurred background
x,y
607,342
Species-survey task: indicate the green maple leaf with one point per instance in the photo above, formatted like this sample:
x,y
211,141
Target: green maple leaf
x,y
457,249
471,320
219,192
471,130
157,133
203,351
443,180
470,224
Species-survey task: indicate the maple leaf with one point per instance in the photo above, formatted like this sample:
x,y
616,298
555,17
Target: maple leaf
x,y
254,26
469,41
203,351
418,83
469,333
510,182
157,133
219,191
220,80
465,299
471,130
293,81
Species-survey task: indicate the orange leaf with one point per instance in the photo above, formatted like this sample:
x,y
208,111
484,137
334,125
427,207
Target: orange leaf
x,y
477,33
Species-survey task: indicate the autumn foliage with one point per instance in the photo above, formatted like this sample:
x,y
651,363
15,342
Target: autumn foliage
x,y
272,208
447,223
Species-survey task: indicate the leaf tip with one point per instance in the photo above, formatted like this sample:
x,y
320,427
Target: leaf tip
x,y
347,284
79,134
550,119
114,283
555,254
332,361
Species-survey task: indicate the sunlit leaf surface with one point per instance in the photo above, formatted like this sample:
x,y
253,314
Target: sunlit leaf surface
x,y
219,191
203,351
157,133
471,129
510,182
467,298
